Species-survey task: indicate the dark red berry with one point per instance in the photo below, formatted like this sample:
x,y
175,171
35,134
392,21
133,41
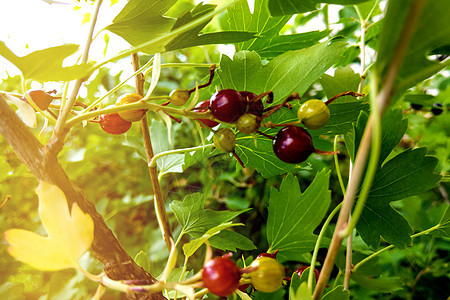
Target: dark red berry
x,y
40,97
253,107
114,124
293,144
221,276
203,106
299,271
227,105
436,109
244,287
247,95
272,255
416,106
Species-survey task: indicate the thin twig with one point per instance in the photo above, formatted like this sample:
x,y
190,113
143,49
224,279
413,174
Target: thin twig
x,y
382,101
163,220
7,198
60,130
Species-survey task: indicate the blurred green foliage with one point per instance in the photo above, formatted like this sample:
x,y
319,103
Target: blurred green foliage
x,y
113,175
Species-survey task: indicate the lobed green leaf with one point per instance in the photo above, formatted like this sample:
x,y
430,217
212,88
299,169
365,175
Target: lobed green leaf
x,y
293,215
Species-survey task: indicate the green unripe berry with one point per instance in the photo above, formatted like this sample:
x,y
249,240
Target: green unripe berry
x,y
179,97
248,123
314,114
269,275
224,140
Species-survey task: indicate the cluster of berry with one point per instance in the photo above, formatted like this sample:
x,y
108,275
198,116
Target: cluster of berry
x,y
221,276
292,144
436,108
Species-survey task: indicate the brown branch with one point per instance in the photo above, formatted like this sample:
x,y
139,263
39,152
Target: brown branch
x,y
45,166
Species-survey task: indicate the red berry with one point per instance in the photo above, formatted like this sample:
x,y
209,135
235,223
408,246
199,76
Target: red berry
x,y
272,255
114,124
299,271
203,106
254,107
221,276
40,97
227,105
293,144
244,287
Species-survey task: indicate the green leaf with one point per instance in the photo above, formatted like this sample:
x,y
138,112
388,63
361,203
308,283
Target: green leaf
x,y
389,138
344,79
407,174
280,8
293,71
193,38
284,43
293,216
278,295
381,284
192,246
191,158
269,43
196,221
342,114
424,99
353,138
432,32
142,21
338,293
143,260
302,292
167,164
344,111
228,240
295,284
46,65
444,225
260,22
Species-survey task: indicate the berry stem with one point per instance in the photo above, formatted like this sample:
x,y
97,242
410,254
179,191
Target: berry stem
x,y
271,125
269,95
325,152
265,135
347,93
275,108
211,77
238,158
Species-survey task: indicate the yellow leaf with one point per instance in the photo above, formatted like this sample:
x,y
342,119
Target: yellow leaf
x,y
70,234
